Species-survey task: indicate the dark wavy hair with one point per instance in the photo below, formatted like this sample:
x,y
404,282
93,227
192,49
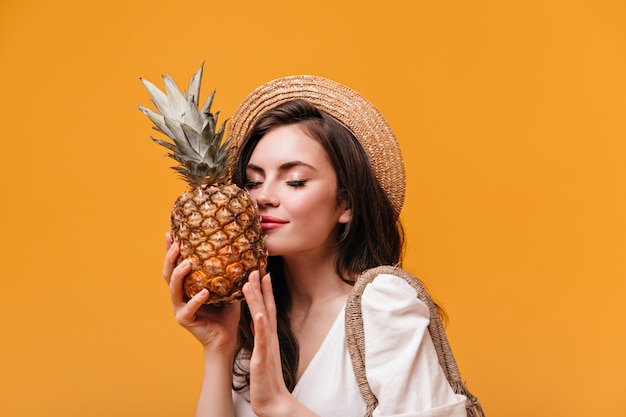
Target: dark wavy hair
x,y
373,237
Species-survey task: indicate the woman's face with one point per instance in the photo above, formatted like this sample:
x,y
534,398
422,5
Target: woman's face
x,y
295,186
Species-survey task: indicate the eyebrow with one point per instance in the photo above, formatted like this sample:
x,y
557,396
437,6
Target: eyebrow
x,y
283,167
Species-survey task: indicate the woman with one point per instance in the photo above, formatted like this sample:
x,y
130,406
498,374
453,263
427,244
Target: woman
x,y
326,173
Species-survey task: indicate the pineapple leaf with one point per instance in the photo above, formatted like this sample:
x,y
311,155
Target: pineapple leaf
x,y
177,101
180,170
175,157
220,151
192,116
158,98
183,147
165,144
192,136
185,175
177,132
202,154
206,108
157,119
220,135
202,169
206,138
209,126
185,151
193,92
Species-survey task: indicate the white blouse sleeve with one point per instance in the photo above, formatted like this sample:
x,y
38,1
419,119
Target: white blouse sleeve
x,y
401,362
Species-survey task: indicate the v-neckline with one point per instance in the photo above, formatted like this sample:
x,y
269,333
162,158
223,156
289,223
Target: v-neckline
x,y
325,342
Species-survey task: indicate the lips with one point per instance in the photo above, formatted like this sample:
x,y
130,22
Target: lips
x,y
271,223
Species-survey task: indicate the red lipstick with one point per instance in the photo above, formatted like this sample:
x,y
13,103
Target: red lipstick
x,y
271,223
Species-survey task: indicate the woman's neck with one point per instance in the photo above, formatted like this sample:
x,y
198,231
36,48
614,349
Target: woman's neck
x,y
312,280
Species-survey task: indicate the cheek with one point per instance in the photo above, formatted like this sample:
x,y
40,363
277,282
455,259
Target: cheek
x,y
253,195
313,206
302,205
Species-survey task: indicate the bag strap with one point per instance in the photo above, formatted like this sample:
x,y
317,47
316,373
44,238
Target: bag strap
x,y
356,340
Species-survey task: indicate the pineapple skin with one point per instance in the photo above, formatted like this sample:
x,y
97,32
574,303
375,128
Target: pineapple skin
x,y
218,231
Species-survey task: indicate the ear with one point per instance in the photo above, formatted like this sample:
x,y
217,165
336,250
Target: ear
x,y
346,214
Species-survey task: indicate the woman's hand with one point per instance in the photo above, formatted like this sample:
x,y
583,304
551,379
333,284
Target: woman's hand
x,y
215,328
268,394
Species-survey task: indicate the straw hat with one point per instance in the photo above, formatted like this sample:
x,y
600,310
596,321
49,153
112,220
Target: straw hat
x,y
366,123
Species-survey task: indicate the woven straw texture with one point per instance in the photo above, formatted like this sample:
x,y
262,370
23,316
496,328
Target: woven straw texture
x,y
350,108
356,339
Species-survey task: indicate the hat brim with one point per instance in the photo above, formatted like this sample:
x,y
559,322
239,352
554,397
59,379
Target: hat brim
x,y
346,105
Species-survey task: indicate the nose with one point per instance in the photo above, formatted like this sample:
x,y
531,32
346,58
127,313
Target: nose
x,y
265,196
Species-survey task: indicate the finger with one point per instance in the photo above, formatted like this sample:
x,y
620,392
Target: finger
x,y
168,240
186,315
252,292
170,261
268,300
261,335
176,282
254,300
262,307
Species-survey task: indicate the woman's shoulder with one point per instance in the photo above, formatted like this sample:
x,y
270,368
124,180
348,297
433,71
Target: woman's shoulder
x,y
388,293
395,278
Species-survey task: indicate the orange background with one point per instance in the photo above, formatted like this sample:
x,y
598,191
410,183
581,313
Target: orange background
x,y
512,119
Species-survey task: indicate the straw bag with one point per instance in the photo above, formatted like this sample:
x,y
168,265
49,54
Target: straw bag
x,y
356,341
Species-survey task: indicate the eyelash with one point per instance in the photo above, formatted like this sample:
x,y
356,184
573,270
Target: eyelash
x,y
295,184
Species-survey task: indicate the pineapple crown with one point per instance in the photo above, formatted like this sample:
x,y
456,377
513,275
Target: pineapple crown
x,y
202,154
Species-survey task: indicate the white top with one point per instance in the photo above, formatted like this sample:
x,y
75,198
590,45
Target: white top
x,y
402,366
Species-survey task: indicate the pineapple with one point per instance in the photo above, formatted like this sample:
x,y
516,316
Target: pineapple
x,y
214,221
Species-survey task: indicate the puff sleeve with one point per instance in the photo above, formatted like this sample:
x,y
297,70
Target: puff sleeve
x,y
401,362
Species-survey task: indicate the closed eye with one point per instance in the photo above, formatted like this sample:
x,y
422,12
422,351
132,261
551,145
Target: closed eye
x,y
252,184
296,184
